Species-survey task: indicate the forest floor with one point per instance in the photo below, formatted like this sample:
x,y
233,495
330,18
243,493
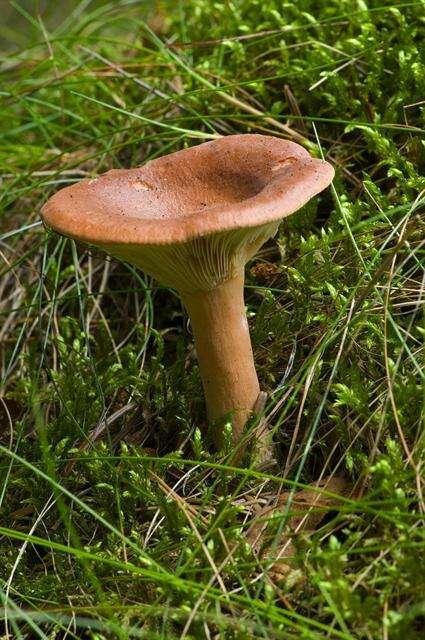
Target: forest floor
x,y
118,518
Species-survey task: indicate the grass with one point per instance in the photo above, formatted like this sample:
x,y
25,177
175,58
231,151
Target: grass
x,y
118,520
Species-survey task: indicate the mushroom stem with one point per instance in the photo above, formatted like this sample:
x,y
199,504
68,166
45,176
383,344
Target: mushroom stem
x,y
224,351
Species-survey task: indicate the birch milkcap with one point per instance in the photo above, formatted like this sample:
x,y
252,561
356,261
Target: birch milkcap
x,y
192,219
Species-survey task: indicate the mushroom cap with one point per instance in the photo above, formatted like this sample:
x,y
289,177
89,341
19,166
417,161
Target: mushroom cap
x,y
234,182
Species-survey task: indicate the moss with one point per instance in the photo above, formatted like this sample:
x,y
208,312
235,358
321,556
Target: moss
x,y
139,523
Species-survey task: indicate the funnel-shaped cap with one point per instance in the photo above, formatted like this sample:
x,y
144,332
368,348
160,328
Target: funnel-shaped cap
x,y
192,217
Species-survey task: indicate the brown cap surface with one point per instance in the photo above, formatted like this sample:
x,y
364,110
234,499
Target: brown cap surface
x,y
231,183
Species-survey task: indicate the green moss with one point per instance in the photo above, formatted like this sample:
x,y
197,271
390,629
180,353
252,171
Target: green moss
x,y
139,524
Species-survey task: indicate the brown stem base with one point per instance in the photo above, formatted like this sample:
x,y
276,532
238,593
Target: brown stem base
x,y
224,353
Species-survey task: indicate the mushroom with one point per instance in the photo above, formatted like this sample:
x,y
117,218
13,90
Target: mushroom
x,y
192,219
